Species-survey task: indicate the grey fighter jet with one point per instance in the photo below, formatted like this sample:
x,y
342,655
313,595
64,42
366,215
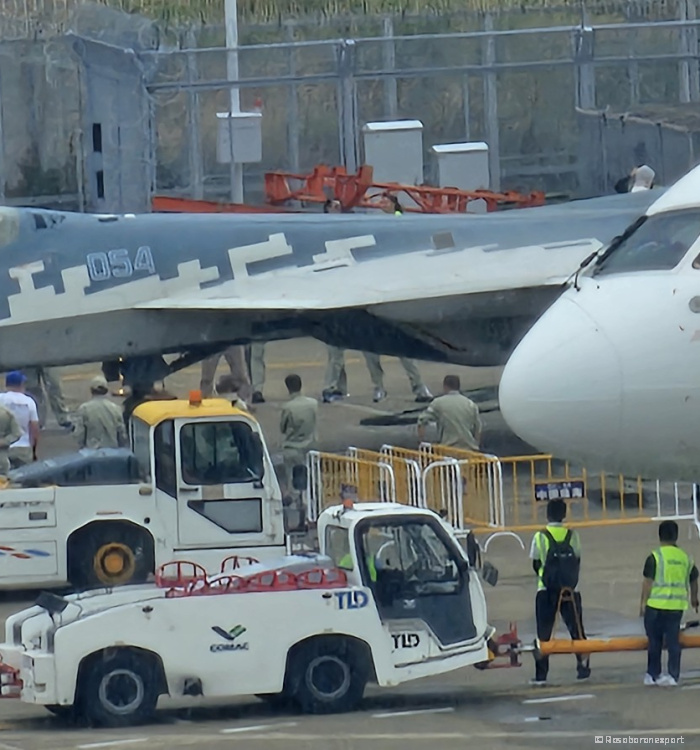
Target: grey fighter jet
x,y
462,289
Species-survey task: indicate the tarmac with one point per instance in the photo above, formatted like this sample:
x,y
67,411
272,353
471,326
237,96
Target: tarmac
x,y
495,709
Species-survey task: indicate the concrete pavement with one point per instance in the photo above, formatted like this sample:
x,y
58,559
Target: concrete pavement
x,y
494,710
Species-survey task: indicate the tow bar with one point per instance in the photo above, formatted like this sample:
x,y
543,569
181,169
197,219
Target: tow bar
x,y
509,646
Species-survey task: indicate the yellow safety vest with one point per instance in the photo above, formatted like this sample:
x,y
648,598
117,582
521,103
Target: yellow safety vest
x,y
559,533
345,563
670,588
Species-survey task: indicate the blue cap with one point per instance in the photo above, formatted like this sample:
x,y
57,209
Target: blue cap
x,y
16,377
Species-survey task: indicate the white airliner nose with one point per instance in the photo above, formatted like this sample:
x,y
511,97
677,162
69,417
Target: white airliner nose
x,y
561,390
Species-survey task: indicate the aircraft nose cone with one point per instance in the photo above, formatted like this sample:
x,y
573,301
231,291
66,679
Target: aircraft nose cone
x,y
561,390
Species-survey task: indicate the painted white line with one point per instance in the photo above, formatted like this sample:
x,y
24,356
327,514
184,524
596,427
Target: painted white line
x,y
559,699
690,687
395,737
416,712
5,746
112,743
258,727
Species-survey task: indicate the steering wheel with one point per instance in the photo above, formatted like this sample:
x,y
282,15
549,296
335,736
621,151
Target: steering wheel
x,y
388,550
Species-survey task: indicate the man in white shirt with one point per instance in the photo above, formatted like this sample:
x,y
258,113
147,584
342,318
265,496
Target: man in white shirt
x,y
15,400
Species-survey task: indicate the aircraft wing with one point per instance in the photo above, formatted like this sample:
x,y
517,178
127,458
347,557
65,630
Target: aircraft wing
x,y
467,298
449,288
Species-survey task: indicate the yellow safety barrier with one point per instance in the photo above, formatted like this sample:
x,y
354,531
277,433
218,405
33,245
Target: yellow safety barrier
x,y
496,495
407,474
332,478
515,490
440,483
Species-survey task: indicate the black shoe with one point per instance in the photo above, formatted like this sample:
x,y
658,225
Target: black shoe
x,y
583,672
330,396
258,398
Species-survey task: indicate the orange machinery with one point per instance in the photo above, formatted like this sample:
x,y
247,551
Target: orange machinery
x,y
353,191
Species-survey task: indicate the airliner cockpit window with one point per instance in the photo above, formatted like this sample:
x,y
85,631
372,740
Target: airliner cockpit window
x,y
9,225
658,243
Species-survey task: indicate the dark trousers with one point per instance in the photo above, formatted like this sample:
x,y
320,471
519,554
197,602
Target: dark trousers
x,y
546,613
663,624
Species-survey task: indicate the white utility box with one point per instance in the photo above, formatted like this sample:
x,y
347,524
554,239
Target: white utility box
x,y
464,166
246,128
394,150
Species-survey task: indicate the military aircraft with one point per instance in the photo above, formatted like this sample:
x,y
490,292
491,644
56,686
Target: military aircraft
x,y
609,376
80,288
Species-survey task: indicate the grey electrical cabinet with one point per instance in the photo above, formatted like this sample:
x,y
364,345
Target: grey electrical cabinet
x,y
394,150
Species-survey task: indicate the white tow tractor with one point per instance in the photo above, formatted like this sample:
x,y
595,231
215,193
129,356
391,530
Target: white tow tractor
x,y
196,480
391,597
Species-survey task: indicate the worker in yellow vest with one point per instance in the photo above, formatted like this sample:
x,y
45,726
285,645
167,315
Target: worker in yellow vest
x,y
669,575
345,563
556,560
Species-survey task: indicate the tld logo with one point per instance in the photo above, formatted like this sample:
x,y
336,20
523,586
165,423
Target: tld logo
x,y
405,640
351,599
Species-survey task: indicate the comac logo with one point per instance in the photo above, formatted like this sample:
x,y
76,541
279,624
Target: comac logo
x,y
231,637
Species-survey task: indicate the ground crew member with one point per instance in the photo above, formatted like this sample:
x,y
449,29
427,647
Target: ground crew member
x,y
668,574
235,357
298,427
556,556
100,421
332,206
456,416
10,432
23,407
227,387
345,563
43,382
337,382
140,393
641,178
376,373
392,206
257,371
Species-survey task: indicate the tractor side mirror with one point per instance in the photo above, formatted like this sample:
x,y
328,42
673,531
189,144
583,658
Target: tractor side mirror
x,y
489,573
300,477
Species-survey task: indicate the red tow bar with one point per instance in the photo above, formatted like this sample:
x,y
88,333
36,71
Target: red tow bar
x,y
506,646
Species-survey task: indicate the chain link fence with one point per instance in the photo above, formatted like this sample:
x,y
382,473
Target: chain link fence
x,y
514,80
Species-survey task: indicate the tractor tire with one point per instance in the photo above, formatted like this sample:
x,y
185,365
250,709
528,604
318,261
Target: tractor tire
x,y
328,675
119,691
109,555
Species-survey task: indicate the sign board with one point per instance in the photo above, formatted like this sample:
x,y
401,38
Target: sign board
x,y
560,490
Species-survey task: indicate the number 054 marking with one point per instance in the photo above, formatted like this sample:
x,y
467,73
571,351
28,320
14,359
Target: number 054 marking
x,y
118,264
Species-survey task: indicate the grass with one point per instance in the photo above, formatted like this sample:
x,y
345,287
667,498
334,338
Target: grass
x,y
176,12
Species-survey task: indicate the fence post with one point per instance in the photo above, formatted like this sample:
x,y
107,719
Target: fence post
x,y
347,100
194,141
465,106
2,147
688,46
584,52
491,105
391,106
292,103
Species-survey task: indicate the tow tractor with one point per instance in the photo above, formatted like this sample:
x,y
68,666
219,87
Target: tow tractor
x,y
391,596
197,479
